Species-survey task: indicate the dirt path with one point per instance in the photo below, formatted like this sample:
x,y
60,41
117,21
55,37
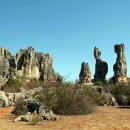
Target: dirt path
x,y
105,118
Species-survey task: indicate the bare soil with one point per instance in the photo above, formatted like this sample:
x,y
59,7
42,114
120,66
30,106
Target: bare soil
x,y
104,118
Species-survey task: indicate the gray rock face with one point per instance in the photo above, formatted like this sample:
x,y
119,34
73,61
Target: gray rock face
x,y
120,67
4,65
27,63
46,113
33,106
26,118
101,67
85,74
4,102
22,95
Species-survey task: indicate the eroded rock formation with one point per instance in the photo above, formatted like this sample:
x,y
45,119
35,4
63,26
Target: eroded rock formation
x,y
120,67
27,63
85,74
101,67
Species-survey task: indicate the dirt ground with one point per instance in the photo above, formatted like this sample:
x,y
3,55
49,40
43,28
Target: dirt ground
x,y
105,118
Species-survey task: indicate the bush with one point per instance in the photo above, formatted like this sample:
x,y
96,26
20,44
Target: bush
x,y
73,100
13,85
121,93
47,97
33,83
20,108
67,99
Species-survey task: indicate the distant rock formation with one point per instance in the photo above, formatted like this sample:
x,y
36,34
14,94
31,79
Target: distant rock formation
x,y
120,67
101,67
85,74
27,63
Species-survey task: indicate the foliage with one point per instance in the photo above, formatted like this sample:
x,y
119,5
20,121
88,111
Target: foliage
x,y
121,93
33,83
47,97
13,85
20,108
74,100
67,99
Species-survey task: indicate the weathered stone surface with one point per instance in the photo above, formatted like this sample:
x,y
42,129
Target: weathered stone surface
x,y
4,102
4,65
26,118
46,113
27,63
34,109
101,67
120,67
23,94
85,74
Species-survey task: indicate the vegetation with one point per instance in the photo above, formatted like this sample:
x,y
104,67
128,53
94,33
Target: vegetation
x,y
120,91
13,85
20,108
68,99
72,99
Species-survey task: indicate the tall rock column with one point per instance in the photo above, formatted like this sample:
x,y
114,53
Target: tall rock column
x,y
85,74
101,67
4,65
120,67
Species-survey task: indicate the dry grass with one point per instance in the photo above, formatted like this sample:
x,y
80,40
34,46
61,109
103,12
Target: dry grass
x,y
105,118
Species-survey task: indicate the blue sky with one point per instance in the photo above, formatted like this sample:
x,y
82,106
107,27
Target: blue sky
x,y
68,30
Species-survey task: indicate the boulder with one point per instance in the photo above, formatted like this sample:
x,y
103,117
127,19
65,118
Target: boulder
x,y
46,113
4,102
33,105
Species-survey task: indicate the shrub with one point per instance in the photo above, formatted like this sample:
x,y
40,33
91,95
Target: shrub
x,y
20,108
13,85
33,83
73,100
68,99
47,97
121,93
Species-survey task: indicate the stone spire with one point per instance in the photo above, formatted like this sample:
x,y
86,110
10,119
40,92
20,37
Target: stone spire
x,y
101,67
120,67
85,74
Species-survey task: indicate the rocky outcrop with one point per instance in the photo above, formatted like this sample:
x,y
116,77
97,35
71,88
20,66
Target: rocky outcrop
x,y
36,108
22,95
4,65
106,98
101,67
35,118
4,102
85,74
47,114
27,63
120,67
